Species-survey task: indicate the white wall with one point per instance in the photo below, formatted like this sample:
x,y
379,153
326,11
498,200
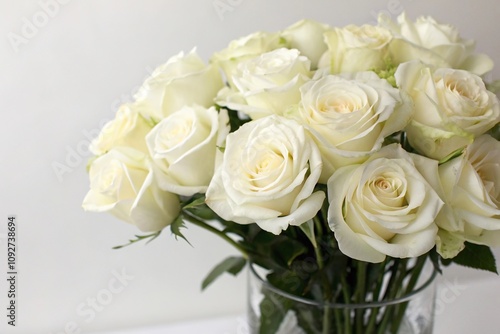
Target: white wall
x,y
64,81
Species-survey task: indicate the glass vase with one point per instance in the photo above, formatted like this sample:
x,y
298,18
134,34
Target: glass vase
x,y
273,311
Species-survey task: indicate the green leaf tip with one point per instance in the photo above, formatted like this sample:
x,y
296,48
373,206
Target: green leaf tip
x,y
477,257
232,265
176,226
151,237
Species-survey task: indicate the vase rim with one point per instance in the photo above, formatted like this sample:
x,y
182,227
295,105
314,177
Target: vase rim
x,y
371,304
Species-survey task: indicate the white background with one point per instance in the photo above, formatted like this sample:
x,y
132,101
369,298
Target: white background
x,y
64,80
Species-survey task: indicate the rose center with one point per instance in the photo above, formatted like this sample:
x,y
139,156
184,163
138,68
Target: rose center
x,y
338,105
270,65
460,88
488,173
268,169
175,133
389,191
110,179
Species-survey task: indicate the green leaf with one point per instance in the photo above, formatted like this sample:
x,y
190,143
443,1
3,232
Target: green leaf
x,y
273,309
198,207
286,250
176,226
151,237
477,257
235,228
235,121
289,281
203,212
197,202
271,251
232,265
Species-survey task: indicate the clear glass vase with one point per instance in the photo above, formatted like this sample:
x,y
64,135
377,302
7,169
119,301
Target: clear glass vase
x,y
273,311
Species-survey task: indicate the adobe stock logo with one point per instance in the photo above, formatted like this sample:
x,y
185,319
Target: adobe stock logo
x,y
448,293
76,155
88,310
31,27
221,7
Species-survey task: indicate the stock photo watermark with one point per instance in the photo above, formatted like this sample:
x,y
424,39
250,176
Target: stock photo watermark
x,y
87,310
447,293
12,270
242,326
222,7
31,26
77,155
392,9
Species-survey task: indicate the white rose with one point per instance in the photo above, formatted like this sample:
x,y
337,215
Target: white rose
x,y
123,185
355,49
451,108
384,207
244,48
433,43
307,37
184,146
349,116
128,128
471,185
268,175
182,80
266,84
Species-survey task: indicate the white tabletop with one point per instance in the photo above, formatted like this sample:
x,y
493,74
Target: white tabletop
x,y
463,306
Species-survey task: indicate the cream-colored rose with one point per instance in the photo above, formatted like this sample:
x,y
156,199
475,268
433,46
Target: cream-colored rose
x,y
356,48
184,146
349,116
307,37
451,108
268,175
433,43
122,184
128,128
244,48
471,185
384,207
267,84
182,80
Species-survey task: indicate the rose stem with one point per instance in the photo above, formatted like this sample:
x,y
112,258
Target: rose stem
x,y
360,294
198,222
415,274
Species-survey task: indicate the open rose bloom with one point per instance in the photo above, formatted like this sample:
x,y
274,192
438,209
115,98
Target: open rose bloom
x,y
366,144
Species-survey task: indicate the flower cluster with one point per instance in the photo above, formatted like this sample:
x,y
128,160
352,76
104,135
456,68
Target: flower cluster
x,y
385,136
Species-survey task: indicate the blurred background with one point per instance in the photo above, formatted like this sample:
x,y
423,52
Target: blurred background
x,y
65,67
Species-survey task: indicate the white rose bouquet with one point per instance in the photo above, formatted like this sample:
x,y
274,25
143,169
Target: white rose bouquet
x,y
369,149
